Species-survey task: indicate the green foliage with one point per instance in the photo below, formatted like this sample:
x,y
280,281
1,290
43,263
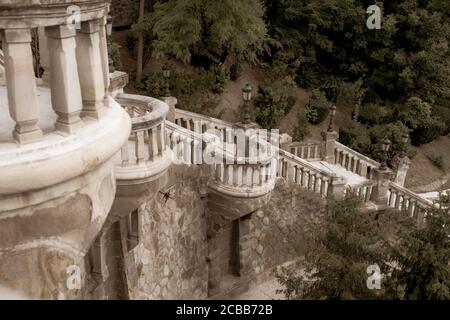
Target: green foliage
x,y
347,241
235,70
418,117
372,114
302,129
355,136
274,100
221,78
183,27
351,93
194,90
443,113
115,56
422,258
318,107
409,57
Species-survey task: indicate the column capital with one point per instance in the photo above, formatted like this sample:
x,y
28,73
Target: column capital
x,y
60,32
91,26
16,35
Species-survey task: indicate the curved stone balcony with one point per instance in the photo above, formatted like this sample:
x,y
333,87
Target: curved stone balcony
x,y
57,144
145,156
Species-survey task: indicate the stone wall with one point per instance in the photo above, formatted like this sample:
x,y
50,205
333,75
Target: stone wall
x,y
279,230
124,12
170,259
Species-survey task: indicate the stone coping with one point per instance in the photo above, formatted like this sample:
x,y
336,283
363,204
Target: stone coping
x,y
155,110
42,13
58,158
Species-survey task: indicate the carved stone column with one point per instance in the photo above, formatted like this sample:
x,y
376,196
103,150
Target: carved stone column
x,y
65,84
90,69
21,84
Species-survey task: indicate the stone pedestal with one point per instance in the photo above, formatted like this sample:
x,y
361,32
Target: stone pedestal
x,y
337,188
401,166
329,139
171,102
380,191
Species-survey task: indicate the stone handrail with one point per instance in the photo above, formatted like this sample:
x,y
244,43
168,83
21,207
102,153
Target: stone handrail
x,y
405,200
145,151
354,161
187,120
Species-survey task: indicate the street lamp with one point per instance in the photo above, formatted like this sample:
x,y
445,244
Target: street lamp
x,y
109,29
166,74
332,115
405,140
247,95
385,147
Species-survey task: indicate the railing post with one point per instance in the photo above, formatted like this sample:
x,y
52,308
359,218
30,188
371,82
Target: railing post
x,y
329,139
171,102
401,167
337,187
381,189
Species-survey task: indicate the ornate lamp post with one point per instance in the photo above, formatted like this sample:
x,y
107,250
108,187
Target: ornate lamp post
x,y
385,147
332,115
109,27
247,95
166,74
405,140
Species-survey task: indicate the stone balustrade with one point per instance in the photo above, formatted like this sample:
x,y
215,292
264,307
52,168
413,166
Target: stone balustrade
x,y
145,156
354,161
363,191
297,170
405,200
76,54
307,150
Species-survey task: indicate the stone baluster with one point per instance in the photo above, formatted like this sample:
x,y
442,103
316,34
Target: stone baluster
x,y
90,69
124,154
140,146
21,84
65,84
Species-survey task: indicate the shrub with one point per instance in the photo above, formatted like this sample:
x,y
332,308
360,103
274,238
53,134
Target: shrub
x,y
351,92
394,132
274,101
221,78
373,114
443,113
317,108
355,136
115,56
235,70
302,129
430,131
437,161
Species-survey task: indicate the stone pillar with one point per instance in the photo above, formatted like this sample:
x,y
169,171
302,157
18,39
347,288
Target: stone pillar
x,y
171,102
329,139
104,53
247,246
381,189
21,84
65,84
401,167
337,187
44,55
90,69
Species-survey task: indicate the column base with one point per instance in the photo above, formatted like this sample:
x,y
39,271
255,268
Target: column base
x,y
27,137
94,110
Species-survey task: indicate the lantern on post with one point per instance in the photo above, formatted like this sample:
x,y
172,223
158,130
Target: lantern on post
x,y
247,95
332,115
385,147
167,74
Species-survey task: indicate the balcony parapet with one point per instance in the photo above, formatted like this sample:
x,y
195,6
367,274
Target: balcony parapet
x,y
145,156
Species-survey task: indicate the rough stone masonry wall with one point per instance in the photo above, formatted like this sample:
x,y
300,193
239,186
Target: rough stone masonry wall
x,y
171,256
279,230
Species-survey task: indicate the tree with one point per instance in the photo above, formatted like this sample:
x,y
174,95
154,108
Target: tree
x,y
346,243
422,257
183,27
